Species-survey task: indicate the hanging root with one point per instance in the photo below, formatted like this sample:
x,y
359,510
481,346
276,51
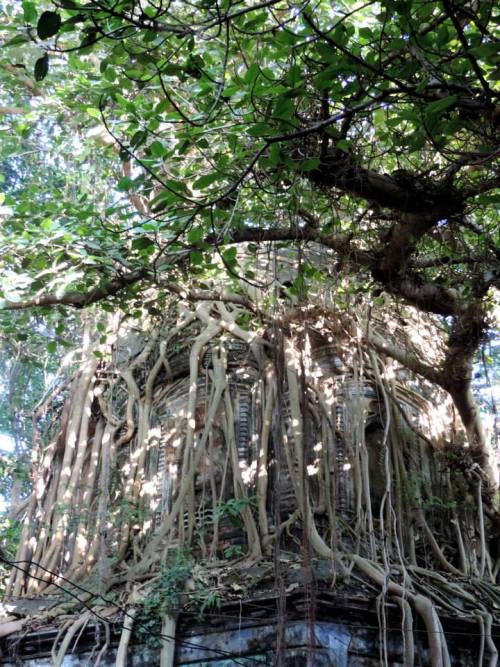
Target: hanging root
x,y
150,448
423,605
128,624
408,636
167,641
79,623
104,648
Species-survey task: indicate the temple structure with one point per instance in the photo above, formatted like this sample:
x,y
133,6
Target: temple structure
x,y
254,489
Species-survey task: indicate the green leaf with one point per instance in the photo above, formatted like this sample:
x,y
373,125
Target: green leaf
x,y
487,51
260,130
366,33
205,181
252,73
343,145
128,105
42,67
340,35
125,184
275,156
48,25
142,243
443,36
283,108
110,74
196,257
298,286
327,78
172,70
195,235
89,37
229,255
441,105
18,39
162,106
139,138
51,346
47,224
162,200
157,149
29,9
309,165
92,111
397,44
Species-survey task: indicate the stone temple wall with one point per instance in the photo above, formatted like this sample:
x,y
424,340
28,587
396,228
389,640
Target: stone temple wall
x,y
344,633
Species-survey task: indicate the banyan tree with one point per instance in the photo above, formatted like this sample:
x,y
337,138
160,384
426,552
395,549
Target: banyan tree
x,y
266,235
224,434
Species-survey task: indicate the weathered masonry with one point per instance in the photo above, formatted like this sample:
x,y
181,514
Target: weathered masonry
x,y
259,486
345,633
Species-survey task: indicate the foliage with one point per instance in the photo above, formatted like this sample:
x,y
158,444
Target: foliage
x,y
147,148
10,533
246,113
437,503
164,596
30,354
233,508
234,551
207,600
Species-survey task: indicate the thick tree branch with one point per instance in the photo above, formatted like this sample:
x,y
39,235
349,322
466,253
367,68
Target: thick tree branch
x,y
79,299
466,335
455,373
405,358
428,297
406,193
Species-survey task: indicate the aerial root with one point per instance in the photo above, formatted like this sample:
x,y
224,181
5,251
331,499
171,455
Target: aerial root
x,y
69,630
168,627
407,627
105,646
128,624
113,448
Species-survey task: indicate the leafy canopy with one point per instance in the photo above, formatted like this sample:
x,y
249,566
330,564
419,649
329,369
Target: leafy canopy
x,y
139,139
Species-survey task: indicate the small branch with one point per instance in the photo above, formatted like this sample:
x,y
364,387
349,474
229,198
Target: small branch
x,y
26,82
209,295
468,54
444,260
12,111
